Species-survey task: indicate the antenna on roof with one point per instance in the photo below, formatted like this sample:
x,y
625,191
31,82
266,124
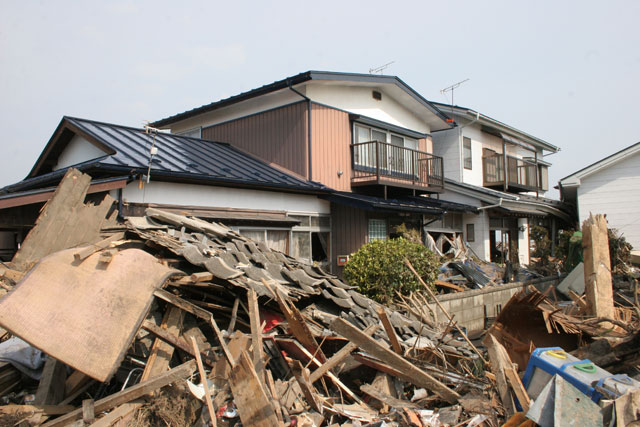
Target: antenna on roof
x,y
152,132
451,89
380,69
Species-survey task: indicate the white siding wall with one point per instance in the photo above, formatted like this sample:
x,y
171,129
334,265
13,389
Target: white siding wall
x,y
358,100
221,197
446,144
79,150
614,191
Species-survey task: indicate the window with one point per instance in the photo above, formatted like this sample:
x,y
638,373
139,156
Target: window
x,y
393,161
471,237
377,229
311,239
466,146
543,177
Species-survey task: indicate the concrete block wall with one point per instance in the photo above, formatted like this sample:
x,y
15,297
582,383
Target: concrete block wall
x,y
469,308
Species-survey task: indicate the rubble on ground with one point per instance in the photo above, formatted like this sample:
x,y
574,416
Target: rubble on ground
x,y
171,320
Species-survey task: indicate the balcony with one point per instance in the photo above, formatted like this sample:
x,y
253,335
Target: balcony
x,y
380,163
522,175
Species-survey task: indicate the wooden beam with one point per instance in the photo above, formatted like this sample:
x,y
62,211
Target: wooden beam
x,y
448,285
302,376
118,413
256,330
339,356
102,244
250,395
517,387
498,365
391,333
597,268
52,383
13,275
175,341
88,411
128,394
162,350
410,372
203,276
205,382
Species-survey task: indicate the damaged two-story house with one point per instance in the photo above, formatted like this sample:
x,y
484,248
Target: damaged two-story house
x,y
367,137
502,171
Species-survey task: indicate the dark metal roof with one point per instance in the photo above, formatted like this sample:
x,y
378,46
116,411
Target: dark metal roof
x,y
127,150
421,205
301,78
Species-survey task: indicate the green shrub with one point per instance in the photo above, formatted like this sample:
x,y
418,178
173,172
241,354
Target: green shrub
x,y
378,268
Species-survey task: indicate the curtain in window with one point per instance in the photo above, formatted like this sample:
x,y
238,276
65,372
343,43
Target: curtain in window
x,y
277,240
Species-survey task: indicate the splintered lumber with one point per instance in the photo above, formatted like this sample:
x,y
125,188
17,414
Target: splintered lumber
x,y
391,333
198,312
446,313
13,275
205,383
409,372
65,221
52,383
339,356
128,394
103,244
298,325
597,267
448,285
118,413
250,395
385,398
162,351
88,411
192,223
499,363
517,387
84,315
174,342
203,276
256,330
302,376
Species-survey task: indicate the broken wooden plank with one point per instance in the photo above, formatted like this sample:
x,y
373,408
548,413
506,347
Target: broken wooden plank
x,y
302,376
597,268
45,409
198,312
339,356
175,341
65,221
118,413
250,396
498,365
88,411
256,330
516,386
297,324
74,382
52,383
205,383
387,399
203,276
102,244
446,313
234,315
409,371
54,298
128,394
13,275
391,333
162,351
448,285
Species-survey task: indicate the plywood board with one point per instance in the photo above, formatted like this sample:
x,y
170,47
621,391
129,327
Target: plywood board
x,y
84,315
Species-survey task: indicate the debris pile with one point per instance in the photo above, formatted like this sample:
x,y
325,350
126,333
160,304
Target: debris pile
x,y
171,320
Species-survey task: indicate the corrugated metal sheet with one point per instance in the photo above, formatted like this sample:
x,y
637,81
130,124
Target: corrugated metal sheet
x,y
331,141
279,136
178,156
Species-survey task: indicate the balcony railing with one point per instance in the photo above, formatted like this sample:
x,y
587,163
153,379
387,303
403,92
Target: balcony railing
x,y
377,162
522,175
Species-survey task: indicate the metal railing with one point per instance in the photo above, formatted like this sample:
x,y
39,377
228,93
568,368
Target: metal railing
x,y
521,173
381,161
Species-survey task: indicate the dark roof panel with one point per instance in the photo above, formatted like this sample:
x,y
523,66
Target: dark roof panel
x,y
421,205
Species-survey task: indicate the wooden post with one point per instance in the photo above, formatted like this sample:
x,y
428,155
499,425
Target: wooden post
x,y
597,268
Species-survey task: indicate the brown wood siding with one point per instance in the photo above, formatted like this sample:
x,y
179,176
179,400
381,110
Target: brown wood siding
x,y
330,147
348,232
279,136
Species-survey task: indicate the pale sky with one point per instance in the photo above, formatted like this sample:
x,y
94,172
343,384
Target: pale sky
x,y
565,71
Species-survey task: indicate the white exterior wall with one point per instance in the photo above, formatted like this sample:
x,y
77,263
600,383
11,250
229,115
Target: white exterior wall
x,y
358,100
614,191
523,241
223,197
446,144
77,151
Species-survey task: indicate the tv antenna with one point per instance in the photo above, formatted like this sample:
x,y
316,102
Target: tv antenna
x,y
452,88
380,69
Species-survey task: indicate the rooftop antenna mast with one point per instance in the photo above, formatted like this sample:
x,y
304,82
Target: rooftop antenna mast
x,y
451,89
380,69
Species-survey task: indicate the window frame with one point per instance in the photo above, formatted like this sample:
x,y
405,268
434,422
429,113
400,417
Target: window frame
x,y
467,160
470,232
370,222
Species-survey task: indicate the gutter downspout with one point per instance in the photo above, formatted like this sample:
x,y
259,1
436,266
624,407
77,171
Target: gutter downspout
x,y
309,168
497,205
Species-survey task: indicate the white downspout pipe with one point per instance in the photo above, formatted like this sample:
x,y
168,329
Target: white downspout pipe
x,y
497,205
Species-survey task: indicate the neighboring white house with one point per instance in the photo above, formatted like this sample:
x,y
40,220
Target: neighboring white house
x,y
500,170
610,186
